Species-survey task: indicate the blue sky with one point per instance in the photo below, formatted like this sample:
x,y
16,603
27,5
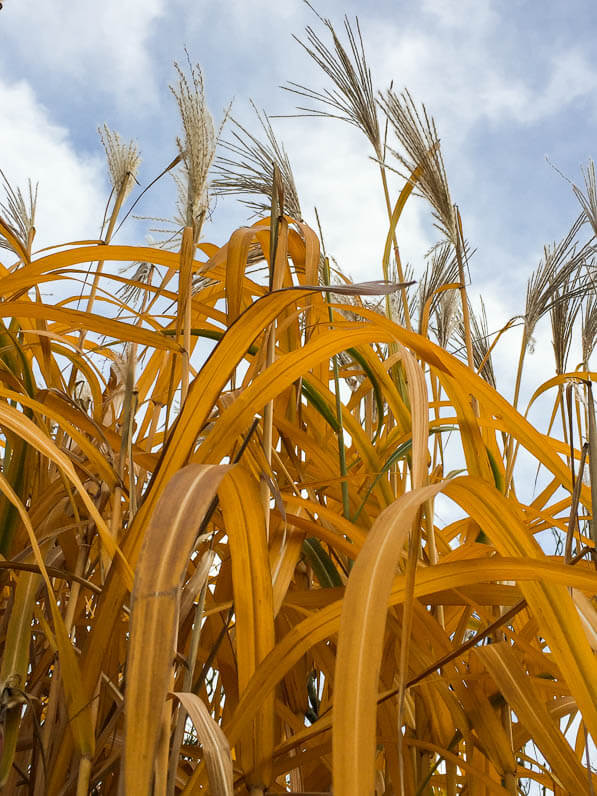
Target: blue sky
x,y
507,82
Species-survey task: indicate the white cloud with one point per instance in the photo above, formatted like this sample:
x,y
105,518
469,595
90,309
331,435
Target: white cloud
x,y
462,14
103,44
460,68
569,76
71,186
243,15
572,76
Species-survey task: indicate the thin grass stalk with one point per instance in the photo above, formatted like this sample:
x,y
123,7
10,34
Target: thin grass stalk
x,y
268,422
438,610
591,790
451,781
576,483
438,445
519,369
187,685
560,400
340,433
75,587
126,445
116,516
169,167
190,238
163,751
563,315
466,320
341,444
400,270
566,432
48,737
194,645
592,461
120,197
83,776
510,452
407,620
185,298
510,778
130,458
156,296
153,426
573,521
268,412
490,348
582,416
422,758
171,392
368,401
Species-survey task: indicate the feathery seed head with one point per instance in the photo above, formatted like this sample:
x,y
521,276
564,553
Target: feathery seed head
x,y
588,200
563,316
589,328
555,280
352,97
442,268
18,213
249,170
198,143
134,292
123,160
418,137
447,317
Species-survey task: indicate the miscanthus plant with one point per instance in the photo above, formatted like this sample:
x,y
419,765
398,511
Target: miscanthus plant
x,y
222,566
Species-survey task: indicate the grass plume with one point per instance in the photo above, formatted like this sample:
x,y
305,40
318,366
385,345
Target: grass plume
x,y
18,211
248,169
123,160
420,147
197,145
352,98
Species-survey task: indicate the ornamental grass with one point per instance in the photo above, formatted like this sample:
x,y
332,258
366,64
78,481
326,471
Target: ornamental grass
x,y
223,568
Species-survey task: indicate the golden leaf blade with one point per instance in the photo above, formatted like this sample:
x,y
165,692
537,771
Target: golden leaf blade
x,y
506,668
154,616
215,744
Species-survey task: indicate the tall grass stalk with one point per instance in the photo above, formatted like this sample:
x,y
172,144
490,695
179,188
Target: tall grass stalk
x,y
123,164
338,399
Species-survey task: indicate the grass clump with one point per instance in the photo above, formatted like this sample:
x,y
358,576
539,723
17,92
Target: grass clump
x,y
219,493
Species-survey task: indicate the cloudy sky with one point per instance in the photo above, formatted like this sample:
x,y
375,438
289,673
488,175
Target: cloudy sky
x,y
509,82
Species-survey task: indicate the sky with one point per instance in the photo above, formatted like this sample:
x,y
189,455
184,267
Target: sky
x,y
512,85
